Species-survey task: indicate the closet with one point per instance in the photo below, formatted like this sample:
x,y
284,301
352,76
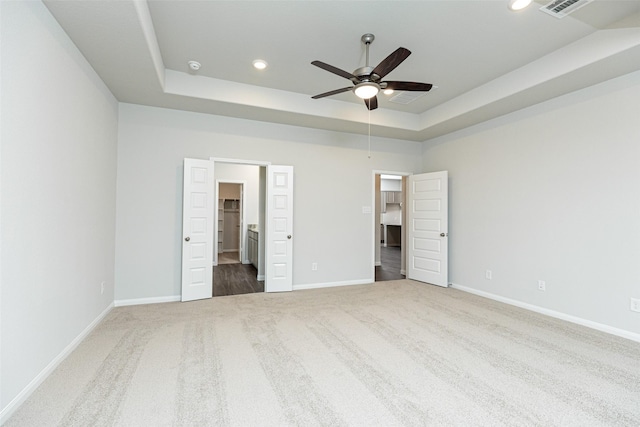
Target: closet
x,y
229,219
228,225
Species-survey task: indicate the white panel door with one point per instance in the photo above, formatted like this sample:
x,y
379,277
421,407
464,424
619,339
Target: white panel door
x,y
427,235
279,230
197,229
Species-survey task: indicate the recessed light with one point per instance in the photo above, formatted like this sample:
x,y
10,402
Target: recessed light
x,y
518,4
260,64
194,65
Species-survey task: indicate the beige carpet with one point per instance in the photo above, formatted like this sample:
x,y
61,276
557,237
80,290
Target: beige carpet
x,y
396,353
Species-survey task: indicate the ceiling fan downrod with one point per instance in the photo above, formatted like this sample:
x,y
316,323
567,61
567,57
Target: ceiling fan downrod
x,y
367,39
366,82
363,74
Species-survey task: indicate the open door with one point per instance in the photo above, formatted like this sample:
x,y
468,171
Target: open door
x,y
197,229
427,233
279,229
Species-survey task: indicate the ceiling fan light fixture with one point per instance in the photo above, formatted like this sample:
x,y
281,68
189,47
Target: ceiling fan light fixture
x,y
366,90
388,91
516,5
260,64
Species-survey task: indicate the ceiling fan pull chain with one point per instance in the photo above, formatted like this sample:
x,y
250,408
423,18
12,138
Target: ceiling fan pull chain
x,y
369,133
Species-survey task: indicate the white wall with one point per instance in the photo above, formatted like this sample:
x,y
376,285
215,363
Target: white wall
x,y
551,193
330,170
390,184
59,130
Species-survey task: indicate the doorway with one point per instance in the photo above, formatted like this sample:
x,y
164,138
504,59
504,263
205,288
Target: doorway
x,y
235,272
390,230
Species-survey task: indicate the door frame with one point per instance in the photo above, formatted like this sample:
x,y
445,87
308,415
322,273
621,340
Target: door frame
x,y
375,217
262,247
242,232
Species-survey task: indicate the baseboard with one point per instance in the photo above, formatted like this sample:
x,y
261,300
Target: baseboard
x,y
378,264
557,314
8,410
260,278
141,301
332,284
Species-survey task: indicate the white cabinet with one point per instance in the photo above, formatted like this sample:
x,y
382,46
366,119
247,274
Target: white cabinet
x,y
253,247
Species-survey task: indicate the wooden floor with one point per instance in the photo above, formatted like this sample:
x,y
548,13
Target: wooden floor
x,y
390,269
235,279
228,257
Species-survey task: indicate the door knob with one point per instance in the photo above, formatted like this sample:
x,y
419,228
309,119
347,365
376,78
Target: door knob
x,y
186,239
289,236
442,234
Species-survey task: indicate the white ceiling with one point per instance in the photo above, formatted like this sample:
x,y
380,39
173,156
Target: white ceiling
x,y
484,59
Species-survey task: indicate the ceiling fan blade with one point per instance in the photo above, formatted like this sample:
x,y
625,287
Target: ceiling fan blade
x,y
391,62
333,92
411,86
371,103
334,70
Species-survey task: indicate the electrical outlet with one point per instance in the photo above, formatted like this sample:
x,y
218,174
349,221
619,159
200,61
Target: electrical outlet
x,y
102,288
634,304
314,266
542,285
488,274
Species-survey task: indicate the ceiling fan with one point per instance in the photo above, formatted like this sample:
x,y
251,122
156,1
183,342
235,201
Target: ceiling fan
x,y
367,81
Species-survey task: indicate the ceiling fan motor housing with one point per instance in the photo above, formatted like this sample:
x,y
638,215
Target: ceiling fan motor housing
x,y
364,73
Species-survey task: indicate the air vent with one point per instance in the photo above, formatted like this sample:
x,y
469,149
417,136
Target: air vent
x,y
561,8
406,97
